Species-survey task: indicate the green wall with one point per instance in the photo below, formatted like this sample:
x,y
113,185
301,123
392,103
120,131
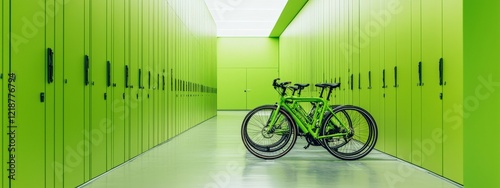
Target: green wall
x,y
401,60
99,82
246,68
481,96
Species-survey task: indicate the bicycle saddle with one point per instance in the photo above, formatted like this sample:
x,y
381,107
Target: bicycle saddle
x,y
325,85
302,86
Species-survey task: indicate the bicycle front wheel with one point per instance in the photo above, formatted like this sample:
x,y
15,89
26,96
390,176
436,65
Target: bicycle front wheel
x,y
359,139
264,141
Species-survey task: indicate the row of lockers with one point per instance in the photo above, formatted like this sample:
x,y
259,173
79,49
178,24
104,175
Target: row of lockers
x,y
90,84
401,60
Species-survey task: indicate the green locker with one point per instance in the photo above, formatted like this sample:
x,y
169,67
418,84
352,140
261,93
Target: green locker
x,y
432,113
151,79
127,81
87,94
28,50
50,98
162,51
365,74
390,66
109,89
144,74
134,79
404,80
97,134
118,108
416,88
76,80
59,104
4,70
356,69
377,83
157,40
453,90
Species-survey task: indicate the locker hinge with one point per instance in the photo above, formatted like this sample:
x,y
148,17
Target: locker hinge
x,y
123,95
42,97
441,96
105,96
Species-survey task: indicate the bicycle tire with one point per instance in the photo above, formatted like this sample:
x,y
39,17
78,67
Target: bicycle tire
x,y
360,120
271,149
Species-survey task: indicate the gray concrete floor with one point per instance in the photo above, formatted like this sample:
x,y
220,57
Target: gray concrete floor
x,y
212,155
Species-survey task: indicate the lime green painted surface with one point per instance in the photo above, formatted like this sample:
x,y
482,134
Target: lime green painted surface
x,y
74,52
432,126
416,87
404,83
292,8
232,85
80,130
481,96
453,90
246,68
247,52
98,77
375,37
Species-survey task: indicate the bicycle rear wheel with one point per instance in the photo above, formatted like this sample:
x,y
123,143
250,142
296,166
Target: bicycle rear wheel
x,y
362,137
267,144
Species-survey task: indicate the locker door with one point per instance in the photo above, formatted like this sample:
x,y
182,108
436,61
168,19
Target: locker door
x,y
377,84
50,99
152,73
97,133
390,112
109,89
134,78
404,82
163,95
432,113
76,67
87,93
364,64
147,74
4,70
356,69
156,63
128,84
28,50
119,82
416,90
453,89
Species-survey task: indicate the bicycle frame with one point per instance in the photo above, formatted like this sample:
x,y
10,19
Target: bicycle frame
x,y
290,104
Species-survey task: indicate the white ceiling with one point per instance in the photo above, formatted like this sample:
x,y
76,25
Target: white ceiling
x,y
245,18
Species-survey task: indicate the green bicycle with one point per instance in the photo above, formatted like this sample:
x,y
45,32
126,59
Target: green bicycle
x,y
270,131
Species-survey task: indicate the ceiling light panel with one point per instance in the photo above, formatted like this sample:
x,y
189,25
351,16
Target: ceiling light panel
x,y
245,17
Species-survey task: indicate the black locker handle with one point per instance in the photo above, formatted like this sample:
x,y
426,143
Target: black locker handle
x,y
163,79
369,79
352,81
383,79
149,79
396,76
359,81
108,74
441,72
158,81
420,74
140,80
86,69
50,65
126,76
